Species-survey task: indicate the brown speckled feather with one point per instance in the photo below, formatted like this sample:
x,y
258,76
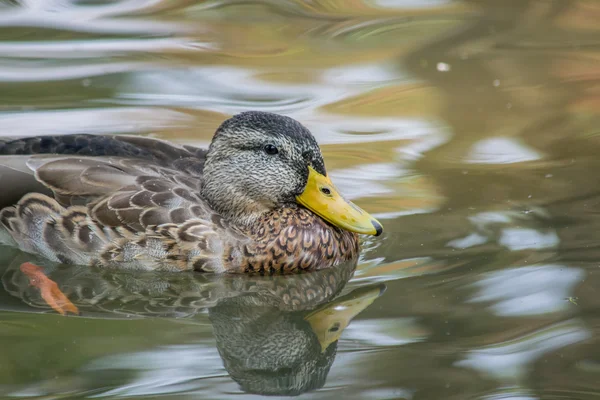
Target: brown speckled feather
x,y
140,208
293,239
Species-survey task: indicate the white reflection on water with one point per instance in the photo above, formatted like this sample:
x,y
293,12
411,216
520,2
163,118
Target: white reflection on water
x,y
76,49
474,239
528,290
364,180
383,332
483,219
509,361
98,121
501,151
515,395
22,72
219,88
64,15
486,220
507,229
361,74
376,270
520,239
331,130
173,369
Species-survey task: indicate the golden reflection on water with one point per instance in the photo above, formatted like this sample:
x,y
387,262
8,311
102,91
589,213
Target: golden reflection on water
x,y
470,128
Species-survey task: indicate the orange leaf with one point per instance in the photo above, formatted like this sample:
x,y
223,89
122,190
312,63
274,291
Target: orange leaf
x,y
49,290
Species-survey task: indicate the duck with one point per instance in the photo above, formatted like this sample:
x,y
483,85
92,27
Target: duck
x,y
258,200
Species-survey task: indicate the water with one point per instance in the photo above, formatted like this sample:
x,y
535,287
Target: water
x,y
469,128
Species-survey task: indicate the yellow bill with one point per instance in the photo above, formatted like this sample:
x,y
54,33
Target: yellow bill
x,y
329,321
321,197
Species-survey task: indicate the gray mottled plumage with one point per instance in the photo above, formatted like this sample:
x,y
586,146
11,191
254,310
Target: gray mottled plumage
x,y
141,203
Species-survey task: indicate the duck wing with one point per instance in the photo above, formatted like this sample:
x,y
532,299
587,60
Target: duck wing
x,y
139,147
112,201
16,154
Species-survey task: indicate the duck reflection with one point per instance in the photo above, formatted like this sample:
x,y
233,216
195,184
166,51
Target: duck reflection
x,y
276,335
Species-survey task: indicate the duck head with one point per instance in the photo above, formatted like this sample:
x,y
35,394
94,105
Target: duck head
x,y
259,161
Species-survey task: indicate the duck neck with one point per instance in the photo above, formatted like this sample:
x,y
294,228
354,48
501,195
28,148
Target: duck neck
x,y
233,205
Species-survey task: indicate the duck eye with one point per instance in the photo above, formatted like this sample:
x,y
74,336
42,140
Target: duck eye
x,y
271,149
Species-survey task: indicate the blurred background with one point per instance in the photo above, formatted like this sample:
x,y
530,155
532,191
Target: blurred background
x,y
470,128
